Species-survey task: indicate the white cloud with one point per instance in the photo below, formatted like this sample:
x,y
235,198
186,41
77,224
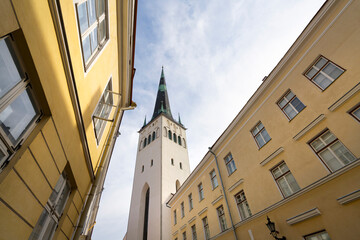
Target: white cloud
x,y
215,54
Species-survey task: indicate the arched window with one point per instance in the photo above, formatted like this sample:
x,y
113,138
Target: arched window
x,y
142,168
145,140
165,132
152,163
153,136
177,185
172,161
174,137
149,139
180,165
157,132
184,142
141,145
179,140
170,134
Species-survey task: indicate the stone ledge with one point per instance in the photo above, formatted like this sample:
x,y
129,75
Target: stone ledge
x,y
349,197
308,127
273,155
303,216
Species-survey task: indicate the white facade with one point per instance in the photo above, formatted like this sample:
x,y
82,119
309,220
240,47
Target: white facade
x,y
157,169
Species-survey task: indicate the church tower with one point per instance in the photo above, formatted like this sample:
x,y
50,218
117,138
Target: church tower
x,y
162,164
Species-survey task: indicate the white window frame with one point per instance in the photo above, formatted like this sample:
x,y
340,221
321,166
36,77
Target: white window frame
x,y
206,228
257,130
283,176
214,182
318,235
193,232
355,112
175,220
289,102
182,207
222,219
241,200
201,191
191,206
230,164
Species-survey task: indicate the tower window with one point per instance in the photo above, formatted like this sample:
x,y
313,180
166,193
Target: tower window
x,y
145,140
172,161
184,142
169,134
152,163
174,137
180,165
153,136
142,168
149,139
179,140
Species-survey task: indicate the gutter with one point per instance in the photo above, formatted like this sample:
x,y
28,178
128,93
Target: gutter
x,y
223,189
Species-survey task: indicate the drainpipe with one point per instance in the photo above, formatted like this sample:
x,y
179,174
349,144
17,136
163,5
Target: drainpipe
x,y
222,186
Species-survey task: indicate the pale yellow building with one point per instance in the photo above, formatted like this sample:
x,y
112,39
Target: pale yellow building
x,y
66,76
292,153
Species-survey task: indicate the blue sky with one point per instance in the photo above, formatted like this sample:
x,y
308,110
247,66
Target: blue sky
x,y
215,55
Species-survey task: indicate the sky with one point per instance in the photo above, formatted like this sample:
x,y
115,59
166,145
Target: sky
x,y
215,54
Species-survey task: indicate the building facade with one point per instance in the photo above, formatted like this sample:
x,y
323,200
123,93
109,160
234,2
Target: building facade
x,y
162,165
292,153
66,73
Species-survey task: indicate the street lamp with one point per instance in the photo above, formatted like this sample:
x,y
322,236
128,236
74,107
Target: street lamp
x,y
273,232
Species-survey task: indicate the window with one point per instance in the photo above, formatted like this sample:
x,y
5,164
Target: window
x,y
152,163
260,135
323,235
184,142
54,207
285,180
182,210
180,165
193,232
184,235
172,161
214,181
230,164
323,72
190,202
145,141
19,111
331,151
142,168
153,136
175,221
222,220
290,105
243,206
356,113
179,140
149,139
206,228
92,18
102,112
201,191
169,134
174,137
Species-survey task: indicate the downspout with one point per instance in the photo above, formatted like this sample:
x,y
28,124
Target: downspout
x,y
223,189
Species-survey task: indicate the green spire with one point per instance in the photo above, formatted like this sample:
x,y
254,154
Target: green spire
x,y
162,72
144,121
179,119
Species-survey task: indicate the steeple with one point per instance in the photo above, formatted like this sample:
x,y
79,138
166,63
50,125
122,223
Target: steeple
x,y
162,104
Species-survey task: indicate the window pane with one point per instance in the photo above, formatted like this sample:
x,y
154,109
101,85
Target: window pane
x,y
298,105
44,222
357,113
333,71
10,73
83,18
284,187
290,112
58,188
311,73
289,96
283,167
62,200
321,63
328,137
317,144
341,152
322,81
292,182
330,160
94,42
86,48
91,10
283,102
277,173
101,7
265,135
17,116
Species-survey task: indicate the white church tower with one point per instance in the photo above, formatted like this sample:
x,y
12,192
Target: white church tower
x,y
162,164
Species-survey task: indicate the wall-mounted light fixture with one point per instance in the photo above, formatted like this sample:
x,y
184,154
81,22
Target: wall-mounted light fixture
x,y
273,232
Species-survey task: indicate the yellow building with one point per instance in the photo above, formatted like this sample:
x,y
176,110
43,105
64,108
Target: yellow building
x,y
66,74
292,153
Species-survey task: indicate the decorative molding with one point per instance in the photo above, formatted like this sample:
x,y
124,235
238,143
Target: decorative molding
x,y
308,127
306,189
217,199
241,180
303,216
176,232
345,97
183,226
202,211
273,155
349,197
191,220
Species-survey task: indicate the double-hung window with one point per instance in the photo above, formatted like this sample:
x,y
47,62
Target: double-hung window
x,y
201,191
184,235
190,202
49,218
222,220
102,112
206,228
284,179
260,135
322,235
323,72
242,205
19,111
331,151
214,181
193,232
92,21
290,105
182,210
230,164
